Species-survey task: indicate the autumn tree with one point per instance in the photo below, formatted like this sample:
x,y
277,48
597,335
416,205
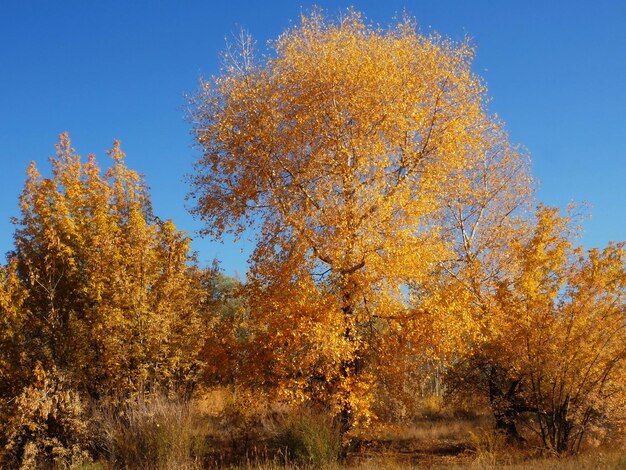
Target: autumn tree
x,y
486,208
556,348
568,309
580,387
106,293
341,150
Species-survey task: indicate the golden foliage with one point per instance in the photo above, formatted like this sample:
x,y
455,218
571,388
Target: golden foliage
x,y
556,346
344,150
13,367
107,294
49,426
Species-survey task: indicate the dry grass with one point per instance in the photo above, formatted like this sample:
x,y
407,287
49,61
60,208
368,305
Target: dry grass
x,y
597,461
443,438
220,430
151,432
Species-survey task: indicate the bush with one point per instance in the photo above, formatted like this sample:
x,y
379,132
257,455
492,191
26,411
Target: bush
x,y
308,437
48,426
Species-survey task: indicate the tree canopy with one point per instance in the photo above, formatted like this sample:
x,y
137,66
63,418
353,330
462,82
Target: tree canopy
x,y
345,149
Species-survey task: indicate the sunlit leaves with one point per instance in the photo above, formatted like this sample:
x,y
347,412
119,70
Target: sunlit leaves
x,y
344,149
108,292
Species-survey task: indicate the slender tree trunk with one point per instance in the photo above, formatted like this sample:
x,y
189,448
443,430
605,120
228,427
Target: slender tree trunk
x,y
349,367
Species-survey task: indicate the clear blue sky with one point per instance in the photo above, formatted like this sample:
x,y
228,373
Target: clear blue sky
x,y
119,69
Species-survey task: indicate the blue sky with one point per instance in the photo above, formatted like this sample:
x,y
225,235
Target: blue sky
x,y
556,72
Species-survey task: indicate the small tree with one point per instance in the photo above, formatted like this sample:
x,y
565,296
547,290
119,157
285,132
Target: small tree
x,y
556,349
108,297
225,335
576,374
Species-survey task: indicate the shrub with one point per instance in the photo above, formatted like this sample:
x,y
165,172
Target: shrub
x,y
48,426
241,424
487,446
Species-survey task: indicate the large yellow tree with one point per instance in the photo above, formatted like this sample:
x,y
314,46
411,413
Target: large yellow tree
x,y
341,151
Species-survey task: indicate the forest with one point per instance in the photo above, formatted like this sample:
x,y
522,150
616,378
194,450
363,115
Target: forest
x,y
409,301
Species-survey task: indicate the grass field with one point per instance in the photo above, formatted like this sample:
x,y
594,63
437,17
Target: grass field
x,y
220,432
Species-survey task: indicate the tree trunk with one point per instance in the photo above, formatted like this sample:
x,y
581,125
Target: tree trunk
x,y
350,367
503,407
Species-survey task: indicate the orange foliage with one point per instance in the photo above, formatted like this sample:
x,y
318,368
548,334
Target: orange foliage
x,y
105,286
344,150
